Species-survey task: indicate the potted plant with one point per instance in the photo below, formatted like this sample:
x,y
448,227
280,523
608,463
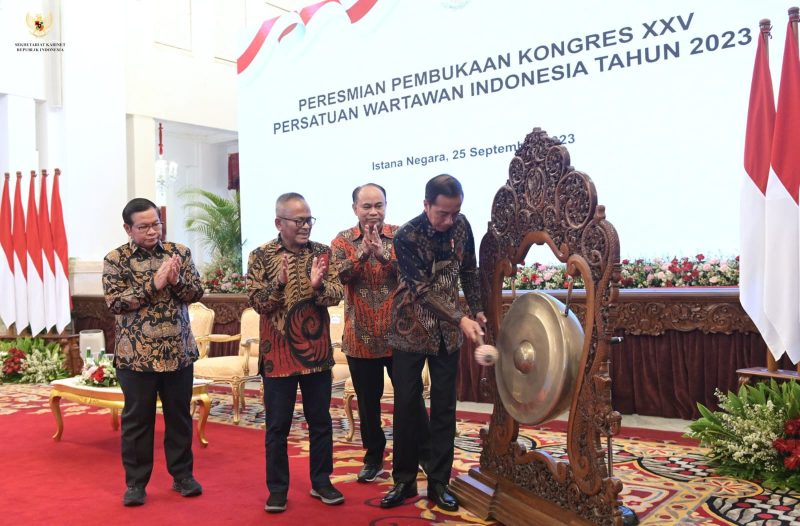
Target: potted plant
x,y
755,435
31,360
217,220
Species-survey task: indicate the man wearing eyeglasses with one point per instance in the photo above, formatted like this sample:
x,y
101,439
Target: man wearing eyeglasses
x,y
291,286
148,284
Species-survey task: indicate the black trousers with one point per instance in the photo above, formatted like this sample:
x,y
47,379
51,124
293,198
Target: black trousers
x,y
139,421
367,374
279,398
413,430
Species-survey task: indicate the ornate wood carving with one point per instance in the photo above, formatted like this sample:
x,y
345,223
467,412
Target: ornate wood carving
x,y
652,312
545,201
654,318
90,312
228,307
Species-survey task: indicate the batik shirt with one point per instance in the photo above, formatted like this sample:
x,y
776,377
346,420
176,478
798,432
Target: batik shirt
x,y
426,309
369,285
153,331
294,325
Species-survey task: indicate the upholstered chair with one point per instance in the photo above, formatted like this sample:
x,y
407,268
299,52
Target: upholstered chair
x,y
236,370
341,371
388,396
201,319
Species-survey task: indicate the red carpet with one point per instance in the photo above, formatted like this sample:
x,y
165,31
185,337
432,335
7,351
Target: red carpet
x,y
80,480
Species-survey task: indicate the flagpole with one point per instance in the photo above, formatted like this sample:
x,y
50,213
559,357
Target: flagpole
x,y
753,213
765,25
782,231
794,17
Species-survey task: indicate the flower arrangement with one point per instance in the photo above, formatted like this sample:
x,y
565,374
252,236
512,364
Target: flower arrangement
x,y
220,278
546,277
12,360
698,271
755,435
99,371
789,447
43,365
31,360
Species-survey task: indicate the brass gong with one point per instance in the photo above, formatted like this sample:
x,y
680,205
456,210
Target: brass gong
x,y
539,350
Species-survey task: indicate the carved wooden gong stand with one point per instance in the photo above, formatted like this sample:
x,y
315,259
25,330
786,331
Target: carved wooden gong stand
x,y
545,201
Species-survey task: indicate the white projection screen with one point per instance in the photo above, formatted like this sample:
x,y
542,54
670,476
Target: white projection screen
x,y
649,97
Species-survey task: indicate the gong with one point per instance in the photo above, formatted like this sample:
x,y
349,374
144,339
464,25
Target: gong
x,y
539,350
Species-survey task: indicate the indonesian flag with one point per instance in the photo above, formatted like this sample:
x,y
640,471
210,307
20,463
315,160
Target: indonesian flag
x,y
7,302
757,151
63,298
20,260
49,263
782,282
36,316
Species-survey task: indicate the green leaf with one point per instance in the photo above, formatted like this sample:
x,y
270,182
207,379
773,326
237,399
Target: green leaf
x,y
217,220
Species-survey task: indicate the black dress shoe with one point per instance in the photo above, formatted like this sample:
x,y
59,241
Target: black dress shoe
x,y
440,494
400,492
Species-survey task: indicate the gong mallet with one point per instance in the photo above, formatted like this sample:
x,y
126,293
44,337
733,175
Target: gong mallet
x,y
485,355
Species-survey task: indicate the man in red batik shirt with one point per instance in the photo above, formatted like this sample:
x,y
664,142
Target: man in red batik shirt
x,y
364,256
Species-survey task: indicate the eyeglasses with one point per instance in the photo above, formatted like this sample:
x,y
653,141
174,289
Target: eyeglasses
x,y
144,228
300,221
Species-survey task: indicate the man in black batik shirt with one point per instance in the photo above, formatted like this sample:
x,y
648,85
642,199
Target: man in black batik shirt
x,y
434,251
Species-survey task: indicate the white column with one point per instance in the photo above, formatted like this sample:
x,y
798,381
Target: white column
x,y
142,140
18,135
94,182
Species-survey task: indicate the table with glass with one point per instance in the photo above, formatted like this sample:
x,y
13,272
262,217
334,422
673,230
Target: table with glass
x,y
112,398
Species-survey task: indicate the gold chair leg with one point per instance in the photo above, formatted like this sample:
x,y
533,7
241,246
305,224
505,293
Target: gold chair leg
x,y
348,410
236,402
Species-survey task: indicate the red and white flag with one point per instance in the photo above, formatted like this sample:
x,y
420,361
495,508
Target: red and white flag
x,y
782,269
20,260
49,262
7,299
757,152
36,316
63,298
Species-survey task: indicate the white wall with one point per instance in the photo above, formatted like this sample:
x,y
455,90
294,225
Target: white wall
x,y
92,110
94,186
202,163
173,69
22,72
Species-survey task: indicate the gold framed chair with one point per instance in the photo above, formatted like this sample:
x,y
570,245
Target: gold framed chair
x,y
341,371
201,319
237,370
388,396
